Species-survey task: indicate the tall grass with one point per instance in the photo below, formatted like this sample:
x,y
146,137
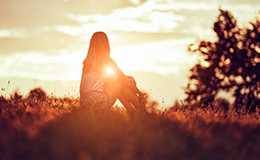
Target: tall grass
x,y
40,126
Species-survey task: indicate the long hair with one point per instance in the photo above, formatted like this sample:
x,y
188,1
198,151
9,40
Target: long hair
x,y
98,53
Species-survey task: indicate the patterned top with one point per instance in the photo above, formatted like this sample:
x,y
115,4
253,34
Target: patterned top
x,y
92,94
92,81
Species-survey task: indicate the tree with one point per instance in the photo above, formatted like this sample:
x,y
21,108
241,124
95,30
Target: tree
x,y
230,64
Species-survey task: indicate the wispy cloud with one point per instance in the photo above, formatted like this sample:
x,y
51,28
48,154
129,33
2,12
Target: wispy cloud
x,y
144,18
48,41
146,30
31,13
151,56
40,66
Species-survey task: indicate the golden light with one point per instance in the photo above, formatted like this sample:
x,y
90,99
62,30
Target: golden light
x,y
109,71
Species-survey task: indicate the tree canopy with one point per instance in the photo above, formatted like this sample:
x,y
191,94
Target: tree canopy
x,y
231,64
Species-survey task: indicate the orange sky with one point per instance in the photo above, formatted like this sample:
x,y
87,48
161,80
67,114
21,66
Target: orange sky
x,y
43,43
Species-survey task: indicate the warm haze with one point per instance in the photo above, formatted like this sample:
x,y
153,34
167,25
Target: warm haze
x,y
43,43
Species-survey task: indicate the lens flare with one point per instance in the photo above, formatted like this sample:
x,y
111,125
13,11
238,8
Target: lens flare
x,y
109,71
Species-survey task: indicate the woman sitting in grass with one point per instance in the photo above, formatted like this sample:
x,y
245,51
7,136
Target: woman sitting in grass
x,y
98,88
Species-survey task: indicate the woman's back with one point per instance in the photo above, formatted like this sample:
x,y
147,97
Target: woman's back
x,y
92,81
92,93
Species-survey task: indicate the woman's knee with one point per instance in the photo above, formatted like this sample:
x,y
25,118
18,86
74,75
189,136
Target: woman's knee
x,y
113,89
115,82
118,81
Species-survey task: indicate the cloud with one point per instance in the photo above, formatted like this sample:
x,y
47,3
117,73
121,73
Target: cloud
x,y
218,2
240,2
153,21
48,42
135,28
150,56
40,66
12,33
143,18
35,13
90,7
38,26
122,38
198,24
29,13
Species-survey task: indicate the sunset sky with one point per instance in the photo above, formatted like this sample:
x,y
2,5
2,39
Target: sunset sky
x,y
43,42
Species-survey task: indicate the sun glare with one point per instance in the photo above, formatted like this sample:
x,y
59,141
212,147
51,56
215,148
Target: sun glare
x,y
109,71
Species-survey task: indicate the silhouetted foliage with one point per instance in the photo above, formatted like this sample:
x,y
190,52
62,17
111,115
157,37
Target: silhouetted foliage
x,y
230,64
37,94
221,105
58,128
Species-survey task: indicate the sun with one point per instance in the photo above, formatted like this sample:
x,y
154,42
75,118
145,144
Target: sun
x,y
109,70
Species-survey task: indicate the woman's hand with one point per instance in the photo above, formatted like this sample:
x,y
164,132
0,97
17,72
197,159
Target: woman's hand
x,y
130,80
142,100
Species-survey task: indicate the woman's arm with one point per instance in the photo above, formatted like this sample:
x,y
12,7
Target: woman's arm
x,y
128,80
118,72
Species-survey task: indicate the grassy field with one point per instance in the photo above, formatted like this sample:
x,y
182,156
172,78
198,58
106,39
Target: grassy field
x,y
43,127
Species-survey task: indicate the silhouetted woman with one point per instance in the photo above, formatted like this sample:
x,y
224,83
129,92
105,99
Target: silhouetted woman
x,y
98,88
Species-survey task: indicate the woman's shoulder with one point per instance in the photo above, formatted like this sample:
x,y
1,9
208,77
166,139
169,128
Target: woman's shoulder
x,y
90,77
91,73
111,62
